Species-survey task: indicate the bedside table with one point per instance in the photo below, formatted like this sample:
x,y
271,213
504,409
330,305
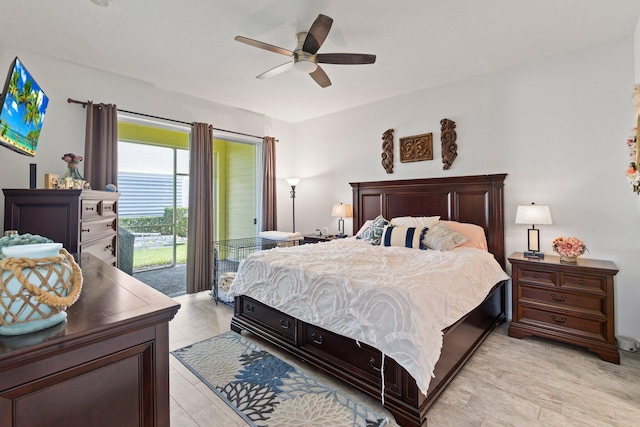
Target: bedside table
x,y
313,238
572,303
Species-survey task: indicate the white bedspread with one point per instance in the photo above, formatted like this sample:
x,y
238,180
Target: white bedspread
x,y
395,299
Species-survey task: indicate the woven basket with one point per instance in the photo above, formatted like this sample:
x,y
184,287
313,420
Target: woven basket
x,y
38,283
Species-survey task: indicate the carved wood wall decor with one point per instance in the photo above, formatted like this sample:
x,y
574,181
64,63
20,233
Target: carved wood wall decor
x,y
448,140
387,150
416,148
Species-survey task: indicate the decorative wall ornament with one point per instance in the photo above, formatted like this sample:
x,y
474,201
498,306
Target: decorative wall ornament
x,y
416,148
448,140
387,150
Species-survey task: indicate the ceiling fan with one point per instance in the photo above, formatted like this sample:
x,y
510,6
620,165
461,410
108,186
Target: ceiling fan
x,y
305,57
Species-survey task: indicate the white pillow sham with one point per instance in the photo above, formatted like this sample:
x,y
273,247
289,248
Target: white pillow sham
x,y
415,221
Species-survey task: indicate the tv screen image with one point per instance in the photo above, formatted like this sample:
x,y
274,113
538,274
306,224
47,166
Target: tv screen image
x,y
24,105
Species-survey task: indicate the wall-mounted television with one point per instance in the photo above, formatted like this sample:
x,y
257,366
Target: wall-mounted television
x,y
24,105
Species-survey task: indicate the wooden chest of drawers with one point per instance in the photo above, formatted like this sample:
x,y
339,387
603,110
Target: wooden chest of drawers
x,y
84,221
572,303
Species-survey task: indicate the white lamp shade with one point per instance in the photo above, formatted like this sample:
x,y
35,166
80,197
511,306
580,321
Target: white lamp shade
x,y
342,211
293,181
533,214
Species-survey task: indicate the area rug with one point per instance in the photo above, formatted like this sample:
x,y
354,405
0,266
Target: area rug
x,y
266,391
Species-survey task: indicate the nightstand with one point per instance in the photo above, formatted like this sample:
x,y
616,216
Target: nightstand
x,y
313,238
572,303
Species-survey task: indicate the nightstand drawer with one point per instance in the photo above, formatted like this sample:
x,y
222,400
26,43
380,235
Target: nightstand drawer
x,y
541,277
583,283
592,304
593,329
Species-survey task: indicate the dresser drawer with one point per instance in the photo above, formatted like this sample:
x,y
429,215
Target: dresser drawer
x,y
90,230
583,283
591,328
366,359
540,277
89,209
108,208
104,248
592,304
280,323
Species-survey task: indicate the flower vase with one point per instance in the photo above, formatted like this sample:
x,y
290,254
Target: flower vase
x,y
565,259
72,172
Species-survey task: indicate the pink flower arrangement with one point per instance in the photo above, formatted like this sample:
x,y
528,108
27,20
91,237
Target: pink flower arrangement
x,y
568,246
71,158
632,173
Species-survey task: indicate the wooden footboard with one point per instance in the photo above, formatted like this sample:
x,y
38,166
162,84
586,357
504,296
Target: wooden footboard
x,y
359,365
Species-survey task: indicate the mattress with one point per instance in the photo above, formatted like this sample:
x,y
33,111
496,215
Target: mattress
x,y
395,299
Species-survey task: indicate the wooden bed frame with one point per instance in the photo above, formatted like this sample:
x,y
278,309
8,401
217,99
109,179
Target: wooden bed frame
x,y
472,199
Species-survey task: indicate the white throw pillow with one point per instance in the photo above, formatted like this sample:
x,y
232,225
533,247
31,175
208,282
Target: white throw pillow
x,y
415,221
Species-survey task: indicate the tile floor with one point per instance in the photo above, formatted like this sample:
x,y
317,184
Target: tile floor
x,y
508,382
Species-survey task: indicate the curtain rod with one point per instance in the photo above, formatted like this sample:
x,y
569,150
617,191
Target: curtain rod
x,y
84,104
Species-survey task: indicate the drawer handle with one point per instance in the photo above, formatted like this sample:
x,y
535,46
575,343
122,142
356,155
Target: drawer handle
x,y
536,275
561,320
85,230
108,248
561,299
318,340
250,308
89,208
285,323
372,362
581,282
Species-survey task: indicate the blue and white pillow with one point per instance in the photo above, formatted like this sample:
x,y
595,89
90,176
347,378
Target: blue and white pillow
x,y
408,237
373,233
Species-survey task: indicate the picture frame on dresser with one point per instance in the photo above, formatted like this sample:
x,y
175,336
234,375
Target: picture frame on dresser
x,y
571,303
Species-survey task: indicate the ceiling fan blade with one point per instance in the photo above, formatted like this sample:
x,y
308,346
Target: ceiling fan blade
x,y
345,58
320,77
265,46
276,70
317,34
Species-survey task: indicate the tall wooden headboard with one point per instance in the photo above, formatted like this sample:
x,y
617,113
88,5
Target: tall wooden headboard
x,y
475,199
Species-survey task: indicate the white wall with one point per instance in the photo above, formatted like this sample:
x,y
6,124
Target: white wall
x,y
558,127
64,126
637,50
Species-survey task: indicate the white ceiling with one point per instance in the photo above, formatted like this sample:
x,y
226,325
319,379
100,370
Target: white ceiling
x,y
187,45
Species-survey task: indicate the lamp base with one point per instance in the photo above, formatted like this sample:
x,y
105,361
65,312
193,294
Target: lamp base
x,y
341,236
533,254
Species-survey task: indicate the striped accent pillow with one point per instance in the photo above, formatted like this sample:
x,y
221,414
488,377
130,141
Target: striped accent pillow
x,y
408,237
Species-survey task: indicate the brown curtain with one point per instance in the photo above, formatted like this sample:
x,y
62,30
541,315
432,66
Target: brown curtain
x,y
101,145
200,219
269,208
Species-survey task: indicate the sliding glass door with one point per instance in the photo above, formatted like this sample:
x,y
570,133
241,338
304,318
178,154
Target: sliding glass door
x,y
154,185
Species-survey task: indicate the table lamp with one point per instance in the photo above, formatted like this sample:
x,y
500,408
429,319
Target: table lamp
x,y
533,214
342,211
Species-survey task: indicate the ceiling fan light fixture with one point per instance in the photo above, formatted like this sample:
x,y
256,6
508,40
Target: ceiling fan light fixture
x,y
305,66
103,3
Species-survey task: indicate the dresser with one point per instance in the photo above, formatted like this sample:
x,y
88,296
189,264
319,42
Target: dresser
x,y
106,365
572,303
84,221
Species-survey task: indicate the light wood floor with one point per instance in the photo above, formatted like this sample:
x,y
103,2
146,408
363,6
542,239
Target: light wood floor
x,y
508,382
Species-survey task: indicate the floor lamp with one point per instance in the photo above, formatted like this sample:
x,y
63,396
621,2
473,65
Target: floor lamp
x,y
293,182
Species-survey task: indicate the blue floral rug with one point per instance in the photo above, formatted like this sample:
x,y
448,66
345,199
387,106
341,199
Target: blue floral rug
x,y
266,391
